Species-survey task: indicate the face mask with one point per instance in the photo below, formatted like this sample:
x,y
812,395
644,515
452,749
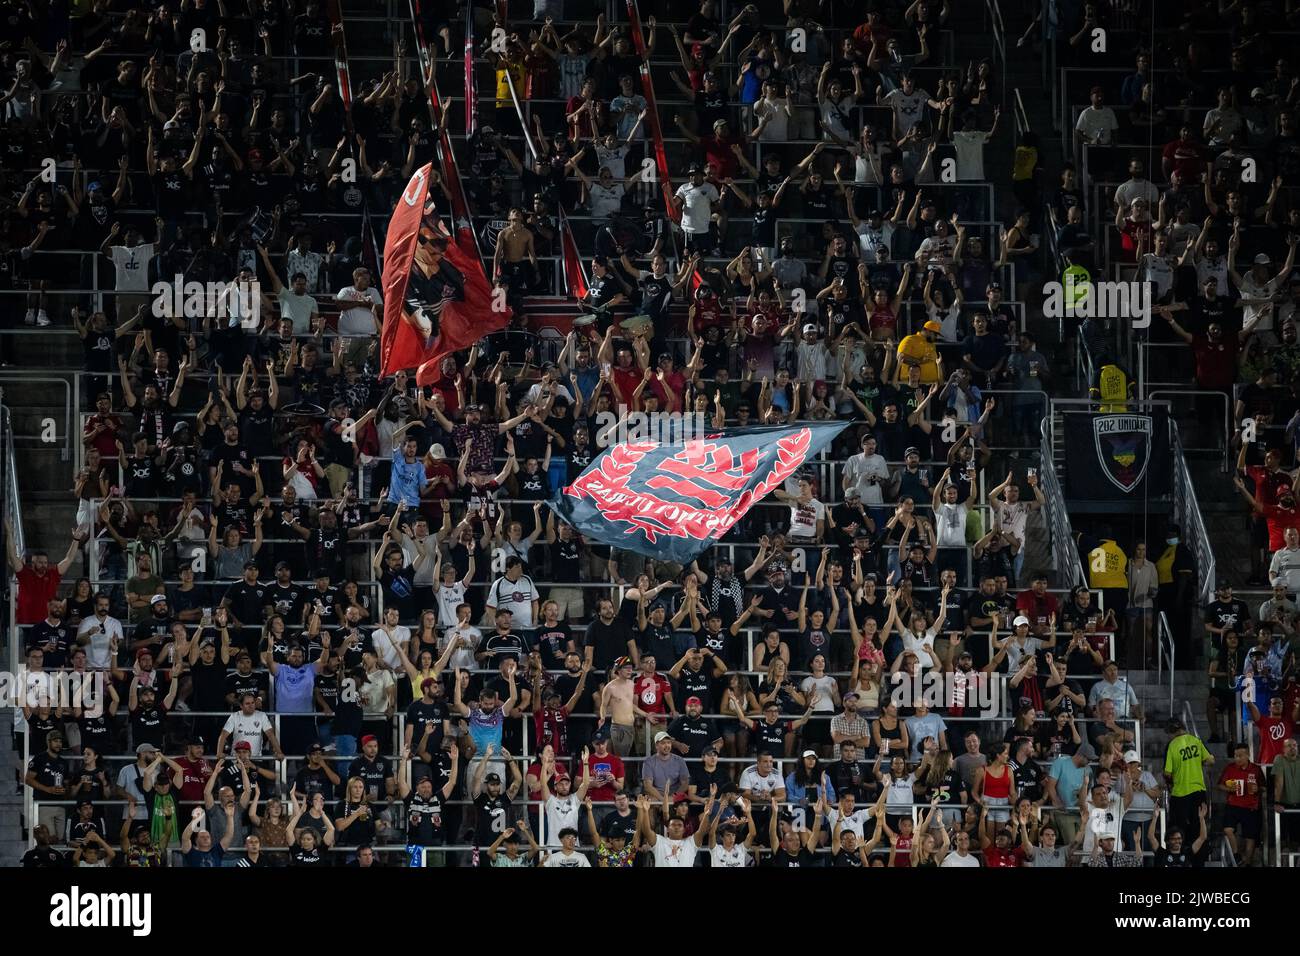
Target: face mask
x,y
1171,541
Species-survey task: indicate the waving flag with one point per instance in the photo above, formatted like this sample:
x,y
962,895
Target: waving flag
x,y
436,297
672,500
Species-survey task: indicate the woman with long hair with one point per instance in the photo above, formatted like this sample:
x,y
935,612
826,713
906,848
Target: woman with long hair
x,y
769,648
355,823
889,727
805,782
776,685
995,787
823,694
942,782
80,604
736,692
272,826
927,851
864,680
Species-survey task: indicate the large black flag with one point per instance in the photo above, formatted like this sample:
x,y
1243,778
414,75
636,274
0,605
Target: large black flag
x,y
672,500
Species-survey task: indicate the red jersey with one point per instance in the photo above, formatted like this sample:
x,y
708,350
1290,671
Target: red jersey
x,y
717,153
604,770
650,691
674,383
1273,733
904,855
194,777
1038,609
1000,859
35,592
882,317
1245,781
106,441
708,312
626,380
1278,520
1269,485
1216,362
552,728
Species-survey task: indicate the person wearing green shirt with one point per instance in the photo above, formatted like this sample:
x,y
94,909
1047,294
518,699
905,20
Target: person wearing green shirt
x,y
1286,788
509,855
1185,761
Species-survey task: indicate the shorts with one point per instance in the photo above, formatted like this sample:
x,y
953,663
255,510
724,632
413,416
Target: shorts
x,y
1244,822
999,808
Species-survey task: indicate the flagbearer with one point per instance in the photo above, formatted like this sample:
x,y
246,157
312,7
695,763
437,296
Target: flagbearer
x,y
433,281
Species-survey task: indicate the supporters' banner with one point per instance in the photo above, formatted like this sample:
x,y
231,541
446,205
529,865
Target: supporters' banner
x,y
435,301
341,60
575,277
1117,456
471,90
652,113
673,500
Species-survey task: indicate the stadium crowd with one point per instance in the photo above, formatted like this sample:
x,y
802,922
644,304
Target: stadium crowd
x,y
336,622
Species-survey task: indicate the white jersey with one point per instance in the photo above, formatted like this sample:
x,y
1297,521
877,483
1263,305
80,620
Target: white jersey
x,y
674,853
449,598
735,858
950,525
386,645
561,812
909,108
574,860
697,206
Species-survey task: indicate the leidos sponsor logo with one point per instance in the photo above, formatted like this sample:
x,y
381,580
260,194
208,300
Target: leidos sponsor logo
x,y
54,689
666,428
239,301
1077,296
77,910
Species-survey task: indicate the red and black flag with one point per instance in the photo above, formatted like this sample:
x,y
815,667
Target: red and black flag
x,y
436,298
673,500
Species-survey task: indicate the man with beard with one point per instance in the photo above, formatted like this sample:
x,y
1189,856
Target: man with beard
x,y
576,687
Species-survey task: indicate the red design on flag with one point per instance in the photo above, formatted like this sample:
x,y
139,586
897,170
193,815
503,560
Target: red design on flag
x,y
694,473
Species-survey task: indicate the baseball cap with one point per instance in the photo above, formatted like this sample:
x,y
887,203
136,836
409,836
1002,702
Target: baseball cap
x,y
1131,756
243,745
622,662
1257,91
1020,620
143,652
369,738
1086,752
809,753
932,326
1262,259
473,407
492,778
171,124
662,735
486,129
145,748
912,450
437,451
809,327
195,741
283,566
1095,89
709,751
695,168
158,599
852,694
694,700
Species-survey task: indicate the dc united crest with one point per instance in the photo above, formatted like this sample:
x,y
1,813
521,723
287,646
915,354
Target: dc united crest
x,y
1123,448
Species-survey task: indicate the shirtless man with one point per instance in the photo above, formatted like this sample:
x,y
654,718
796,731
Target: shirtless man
x,y
616,703
514,245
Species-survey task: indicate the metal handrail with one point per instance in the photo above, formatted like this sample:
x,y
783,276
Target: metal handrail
x,y
1165,650
11,507
68,415
1066,556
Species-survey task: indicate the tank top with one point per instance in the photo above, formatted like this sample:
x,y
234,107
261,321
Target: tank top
x,y
999,787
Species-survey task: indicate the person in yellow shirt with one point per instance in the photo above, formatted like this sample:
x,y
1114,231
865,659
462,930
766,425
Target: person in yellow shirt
x,y
919,350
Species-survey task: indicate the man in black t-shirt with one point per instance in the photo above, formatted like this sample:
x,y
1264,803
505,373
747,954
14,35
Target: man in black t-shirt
x,y
1176,854
791,848
693,733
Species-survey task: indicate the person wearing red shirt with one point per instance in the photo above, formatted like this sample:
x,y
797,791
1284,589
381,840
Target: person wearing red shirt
x,y
1000,854
1183,155
102,429
669,384
1240,780
1278,516
1271,482
1274,729
579,111
1036,604
652,697
1216,361
607,773
38,581
192,773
